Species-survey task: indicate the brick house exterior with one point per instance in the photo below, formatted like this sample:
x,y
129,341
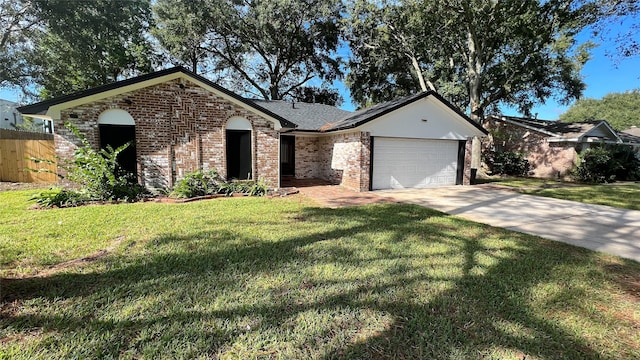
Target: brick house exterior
x,y
551,147
181,122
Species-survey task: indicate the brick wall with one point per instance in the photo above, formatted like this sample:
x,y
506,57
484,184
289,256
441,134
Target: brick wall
x,y
307,157
547,160
178,121
344,159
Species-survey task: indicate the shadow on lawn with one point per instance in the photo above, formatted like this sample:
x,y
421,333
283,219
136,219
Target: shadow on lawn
x,y
465,320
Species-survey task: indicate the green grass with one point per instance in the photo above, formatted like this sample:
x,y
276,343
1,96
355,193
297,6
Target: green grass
x,y
259,278
622,195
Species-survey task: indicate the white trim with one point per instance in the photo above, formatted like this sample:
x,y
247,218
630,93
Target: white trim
x,y
54,110
238,123
609,128
116,117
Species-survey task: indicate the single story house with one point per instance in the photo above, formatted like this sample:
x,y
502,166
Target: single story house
x,y
179,122
631,136
552,147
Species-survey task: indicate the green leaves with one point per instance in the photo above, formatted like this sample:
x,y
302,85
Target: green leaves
x,y
259,48
85,44
619,109
479,54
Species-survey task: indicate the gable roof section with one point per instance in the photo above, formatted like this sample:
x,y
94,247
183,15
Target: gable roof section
x,y
561,131
44,107
629,138
308,116
364,116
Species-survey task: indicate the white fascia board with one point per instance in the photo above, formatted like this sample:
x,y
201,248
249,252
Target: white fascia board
x,y
527,126
609,128
561,139
54,111
38,116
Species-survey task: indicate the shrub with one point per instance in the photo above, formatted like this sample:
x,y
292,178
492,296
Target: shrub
x,y
602,164
508,163
249,187
60,198
198,183
96,173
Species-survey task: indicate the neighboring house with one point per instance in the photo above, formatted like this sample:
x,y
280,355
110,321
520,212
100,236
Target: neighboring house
x,y
631,136
552,147
179,122
9,116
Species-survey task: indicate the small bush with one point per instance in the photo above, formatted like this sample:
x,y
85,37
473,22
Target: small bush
x,y
201,183
99,174
603,164
508,163
96,173
60,198
249,187
198,183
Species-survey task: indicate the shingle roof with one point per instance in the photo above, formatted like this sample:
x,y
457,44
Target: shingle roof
x,y
634,130
306,115
629,137
42,107
556,128
363,116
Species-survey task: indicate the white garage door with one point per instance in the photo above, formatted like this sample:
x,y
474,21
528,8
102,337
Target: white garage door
x,y
413,163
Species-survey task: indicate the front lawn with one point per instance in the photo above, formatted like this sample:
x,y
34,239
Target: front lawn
x,y
622,195
248,278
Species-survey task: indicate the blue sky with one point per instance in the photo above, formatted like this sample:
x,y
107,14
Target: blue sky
x,y
602,74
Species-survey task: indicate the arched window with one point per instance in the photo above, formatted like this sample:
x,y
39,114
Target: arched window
x,y
116,117
117,128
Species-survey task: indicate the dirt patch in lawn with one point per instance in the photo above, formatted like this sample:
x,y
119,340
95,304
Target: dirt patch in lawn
x,y
55,268
9,186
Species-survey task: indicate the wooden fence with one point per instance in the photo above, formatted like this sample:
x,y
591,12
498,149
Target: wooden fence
x,y
16,150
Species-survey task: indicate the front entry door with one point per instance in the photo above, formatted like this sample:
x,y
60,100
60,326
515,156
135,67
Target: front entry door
x,y
287,155
239,154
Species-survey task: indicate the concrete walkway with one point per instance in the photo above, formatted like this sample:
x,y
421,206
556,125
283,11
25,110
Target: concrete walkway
x,y
596,227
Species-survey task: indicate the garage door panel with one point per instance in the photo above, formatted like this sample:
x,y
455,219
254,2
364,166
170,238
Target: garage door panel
x,y
414,163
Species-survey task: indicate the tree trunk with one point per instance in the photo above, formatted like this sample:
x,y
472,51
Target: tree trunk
x,y
421,79
194,62
474,67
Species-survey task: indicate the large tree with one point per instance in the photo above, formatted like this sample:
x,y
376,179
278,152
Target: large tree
x,y
182,26
479,53
90,43
260,48
619,109
18,23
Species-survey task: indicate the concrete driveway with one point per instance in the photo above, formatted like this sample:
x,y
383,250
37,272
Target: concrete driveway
x,y
596,227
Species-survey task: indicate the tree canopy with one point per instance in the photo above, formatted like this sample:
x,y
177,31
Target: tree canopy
x,y
479,54
17,25
90,43
260,48
621,110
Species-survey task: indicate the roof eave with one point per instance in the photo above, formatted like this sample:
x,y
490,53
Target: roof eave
x,y
45,107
